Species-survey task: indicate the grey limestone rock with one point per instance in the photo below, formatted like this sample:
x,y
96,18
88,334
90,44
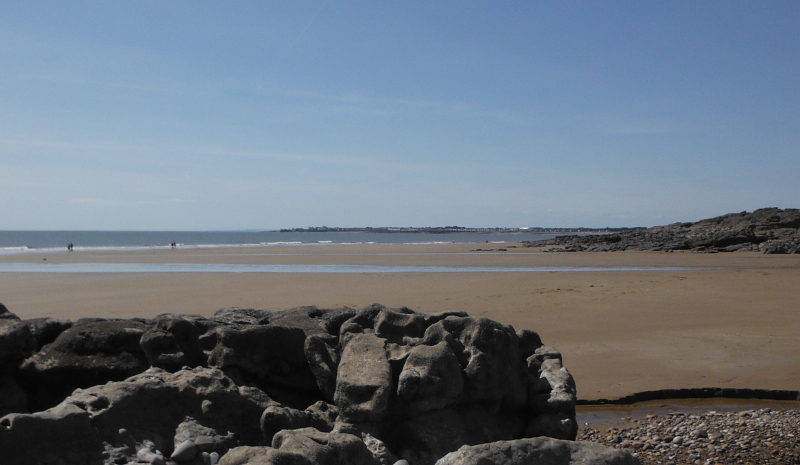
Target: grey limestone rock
x,y
46,330
313,320
780,247
89,353
206,439
560,425
552,396
425,438
174,341
305,446
5,314
271,357
378,449
318,385
450,380
323,360
151,406
489,354
364,381
65,431
430,380
539,451
16,343
275,418
771,230
185,451
242,316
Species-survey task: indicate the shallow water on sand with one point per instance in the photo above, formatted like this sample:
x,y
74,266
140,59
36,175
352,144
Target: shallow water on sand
x,y
44,267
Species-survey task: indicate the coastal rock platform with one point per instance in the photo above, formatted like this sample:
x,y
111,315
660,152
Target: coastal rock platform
x,y
767,230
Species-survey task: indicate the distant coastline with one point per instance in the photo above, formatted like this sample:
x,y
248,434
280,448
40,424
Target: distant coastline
x,y
461,229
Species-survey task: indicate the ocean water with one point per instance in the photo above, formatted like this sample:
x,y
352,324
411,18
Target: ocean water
x,y
45,241
21,242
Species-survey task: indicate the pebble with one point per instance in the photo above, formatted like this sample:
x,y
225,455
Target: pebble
x,y
763,436
184,452
149,454
207,407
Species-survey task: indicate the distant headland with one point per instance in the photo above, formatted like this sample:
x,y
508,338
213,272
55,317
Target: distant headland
x,y
767,230
461,229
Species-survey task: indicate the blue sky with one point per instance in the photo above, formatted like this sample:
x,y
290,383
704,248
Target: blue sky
x,y
195,115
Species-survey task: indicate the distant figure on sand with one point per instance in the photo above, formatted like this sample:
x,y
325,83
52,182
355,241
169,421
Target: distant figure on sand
x,y
69,246
174,244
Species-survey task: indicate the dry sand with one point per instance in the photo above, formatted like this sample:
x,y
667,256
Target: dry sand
x,y
735,323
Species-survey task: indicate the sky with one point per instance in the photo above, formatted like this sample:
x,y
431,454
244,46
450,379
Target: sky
x,y
201,115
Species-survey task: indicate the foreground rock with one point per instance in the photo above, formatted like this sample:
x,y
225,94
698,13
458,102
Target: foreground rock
x,y
305,385
539,451
305,446
89,353
768,230
154,411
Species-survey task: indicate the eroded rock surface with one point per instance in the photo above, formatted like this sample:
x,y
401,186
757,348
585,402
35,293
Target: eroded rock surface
x,y
112,423
91,352
305,385
541,451
305,446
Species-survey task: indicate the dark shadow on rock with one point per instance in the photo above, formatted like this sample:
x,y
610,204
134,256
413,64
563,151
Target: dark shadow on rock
x,y
89,353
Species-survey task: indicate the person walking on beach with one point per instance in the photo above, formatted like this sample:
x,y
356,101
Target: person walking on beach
x,y
69,246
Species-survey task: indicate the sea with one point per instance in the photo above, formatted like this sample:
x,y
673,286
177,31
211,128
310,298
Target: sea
x,y
47,242
12,242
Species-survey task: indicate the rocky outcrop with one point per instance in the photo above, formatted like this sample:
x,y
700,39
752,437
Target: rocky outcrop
x,y
768,230
269,356
5,314
155,412
173,341
46,330
425,385
16,343
91,352
248,386
321,416
364,380
305,446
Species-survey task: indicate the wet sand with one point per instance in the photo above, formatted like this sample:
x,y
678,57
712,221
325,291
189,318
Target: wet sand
x,y
731,322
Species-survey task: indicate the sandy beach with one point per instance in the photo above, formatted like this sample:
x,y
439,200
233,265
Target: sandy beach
x,y
721,320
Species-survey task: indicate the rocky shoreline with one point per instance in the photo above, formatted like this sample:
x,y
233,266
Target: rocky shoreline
x,y
374,386
767,230
758,436
371,386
